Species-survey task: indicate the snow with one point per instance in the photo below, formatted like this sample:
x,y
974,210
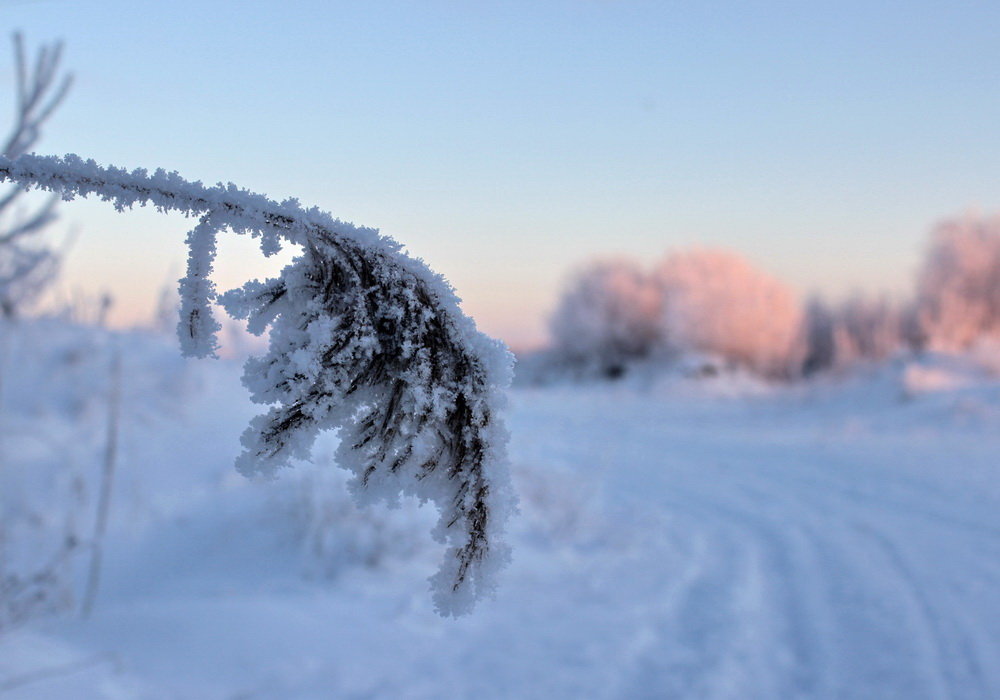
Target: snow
x,y
836,539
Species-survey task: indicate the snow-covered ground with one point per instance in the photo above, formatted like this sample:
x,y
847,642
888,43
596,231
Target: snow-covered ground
x,y
677,539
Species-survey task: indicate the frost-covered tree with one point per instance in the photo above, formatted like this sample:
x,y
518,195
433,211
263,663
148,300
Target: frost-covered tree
x,y
614,313
715,302
819,325
861,328
363,339
608,316
958,290
870,328
26,264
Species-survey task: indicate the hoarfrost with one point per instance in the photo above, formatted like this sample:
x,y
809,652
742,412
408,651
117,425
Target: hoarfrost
x,y
363,339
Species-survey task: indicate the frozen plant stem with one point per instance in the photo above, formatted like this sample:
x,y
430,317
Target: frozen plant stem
x,y
107,481
4,343
363,339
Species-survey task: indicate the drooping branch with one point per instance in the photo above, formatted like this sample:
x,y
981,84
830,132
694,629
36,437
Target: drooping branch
x,y
363,339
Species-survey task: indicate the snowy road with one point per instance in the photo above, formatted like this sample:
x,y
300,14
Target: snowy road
x,y
810,544
816,557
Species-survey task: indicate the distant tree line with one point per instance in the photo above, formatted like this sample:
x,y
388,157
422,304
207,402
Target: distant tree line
x,y
716,306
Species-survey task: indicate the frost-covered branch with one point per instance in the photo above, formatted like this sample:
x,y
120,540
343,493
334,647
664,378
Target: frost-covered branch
x,y
363,339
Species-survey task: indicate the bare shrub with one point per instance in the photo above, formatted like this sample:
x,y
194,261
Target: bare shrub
x,y
27,265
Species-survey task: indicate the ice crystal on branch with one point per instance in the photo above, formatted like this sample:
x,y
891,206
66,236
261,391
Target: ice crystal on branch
x,y
363,339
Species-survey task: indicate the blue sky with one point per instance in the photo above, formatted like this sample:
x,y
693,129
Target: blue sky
x,y
507,142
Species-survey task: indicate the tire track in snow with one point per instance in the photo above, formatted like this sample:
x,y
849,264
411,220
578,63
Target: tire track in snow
x,y
960,669
851,569
955,663
749,620
851,616
948,663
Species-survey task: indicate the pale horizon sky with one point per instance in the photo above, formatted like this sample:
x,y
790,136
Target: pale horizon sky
x,y
508,142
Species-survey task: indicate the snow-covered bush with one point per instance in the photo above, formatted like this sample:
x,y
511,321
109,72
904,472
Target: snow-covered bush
x,y
608,316
27,264
696,303
715,302
363,339
958,290
332,533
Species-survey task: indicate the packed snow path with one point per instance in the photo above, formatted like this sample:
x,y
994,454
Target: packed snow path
x,y
815,543
851,558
